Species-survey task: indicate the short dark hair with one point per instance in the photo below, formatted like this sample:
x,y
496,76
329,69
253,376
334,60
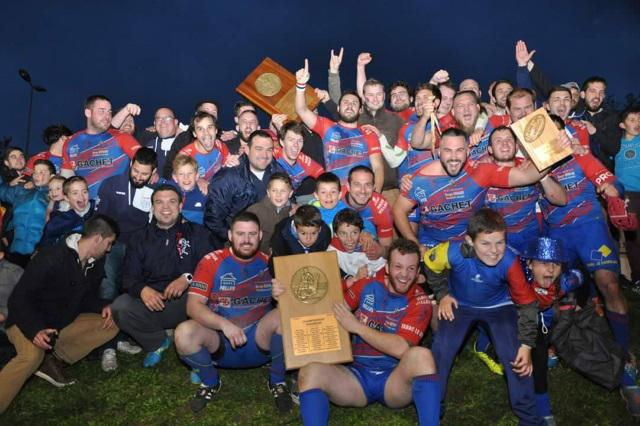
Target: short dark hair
x,y
372,82
485,221
558,89
206,101
282,177
328,177
347,217
352,93
450,84
88,103
399,83
166,187
147,157
521,92
467,92
308,215
435,90
360,168
258,133
70,181
404,246
52,134
238,105
100,224
8,150
593,79
452,131
496,83
200,115
501,128
634,109
291,126
559,122
249,111
49,164
245,216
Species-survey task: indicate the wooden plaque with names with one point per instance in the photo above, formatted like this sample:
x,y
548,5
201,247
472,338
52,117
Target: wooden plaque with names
x,y
273,89
538,137
310,330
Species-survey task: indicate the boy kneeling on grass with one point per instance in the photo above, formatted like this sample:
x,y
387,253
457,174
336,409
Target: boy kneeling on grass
x,y
485,281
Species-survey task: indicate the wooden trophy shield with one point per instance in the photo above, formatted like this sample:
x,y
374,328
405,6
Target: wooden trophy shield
x,y
538,137
272,88
310,330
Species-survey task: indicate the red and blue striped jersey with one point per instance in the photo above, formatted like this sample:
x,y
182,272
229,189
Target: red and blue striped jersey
x,y
238,290
303,168
447,203
208,163
406,315
44,155
345,148
416,158
97,157
376,216
579,176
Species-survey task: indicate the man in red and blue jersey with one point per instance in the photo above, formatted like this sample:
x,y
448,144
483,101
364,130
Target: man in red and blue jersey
x,y
206,149
298,165
97,152
450,190
345,144
232,322
391,314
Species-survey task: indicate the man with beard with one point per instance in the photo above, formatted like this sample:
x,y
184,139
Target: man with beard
x,y
400,99
233,189
390,315
500,91
247,123
99,151
232,322
345,144
466,112
449,191
559,103
160,261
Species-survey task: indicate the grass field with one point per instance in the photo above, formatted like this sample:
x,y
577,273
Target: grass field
x,y
133,395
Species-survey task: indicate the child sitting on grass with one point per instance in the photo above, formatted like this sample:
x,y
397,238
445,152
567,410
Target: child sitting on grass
x,y
273,208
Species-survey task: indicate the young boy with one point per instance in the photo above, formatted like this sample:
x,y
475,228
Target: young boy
x,y
29,212
328,197
304,232
485,280
353,261
185,177
628,172
273,208
76,193
56,195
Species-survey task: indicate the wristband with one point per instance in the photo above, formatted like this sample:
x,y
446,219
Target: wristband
x,y
301,86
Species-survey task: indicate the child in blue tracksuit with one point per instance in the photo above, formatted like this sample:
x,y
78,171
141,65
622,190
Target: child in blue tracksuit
x,y
29,212
486,285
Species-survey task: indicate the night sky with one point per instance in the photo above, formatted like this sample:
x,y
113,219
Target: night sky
x,y
175,53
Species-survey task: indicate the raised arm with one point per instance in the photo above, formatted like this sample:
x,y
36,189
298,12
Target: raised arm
x,y
361,74
306,115
553,191
335,91
129,109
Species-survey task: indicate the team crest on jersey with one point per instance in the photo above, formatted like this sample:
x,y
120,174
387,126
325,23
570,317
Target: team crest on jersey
x,y
225,302
420,194
228,282
182,245
368,302
630,154
477,278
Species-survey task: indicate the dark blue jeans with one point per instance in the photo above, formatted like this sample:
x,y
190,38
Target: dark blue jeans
x,y
501,323
111,285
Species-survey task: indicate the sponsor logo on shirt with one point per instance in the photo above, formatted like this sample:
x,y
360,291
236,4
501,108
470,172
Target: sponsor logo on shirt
x,y
227,282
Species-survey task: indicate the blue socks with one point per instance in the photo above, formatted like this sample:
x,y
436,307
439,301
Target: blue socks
x,y
620,328
426,397
543,405
314,407
277,369
202,364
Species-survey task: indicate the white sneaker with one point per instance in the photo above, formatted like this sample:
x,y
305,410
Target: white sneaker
x,y
128,348
109,361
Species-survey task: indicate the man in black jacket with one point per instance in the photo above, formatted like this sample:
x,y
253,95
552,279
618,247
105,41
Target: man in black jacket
x,y
158,268
55,312
234,189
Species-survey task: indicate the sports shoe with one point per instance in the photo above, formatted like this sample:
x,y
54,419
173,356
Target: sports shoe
x,y
153,358
635,287
52,370
109,360
203,395
631,396
281,396
552,358
631,370
291,379
549,420
128,348
195,378
494,367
